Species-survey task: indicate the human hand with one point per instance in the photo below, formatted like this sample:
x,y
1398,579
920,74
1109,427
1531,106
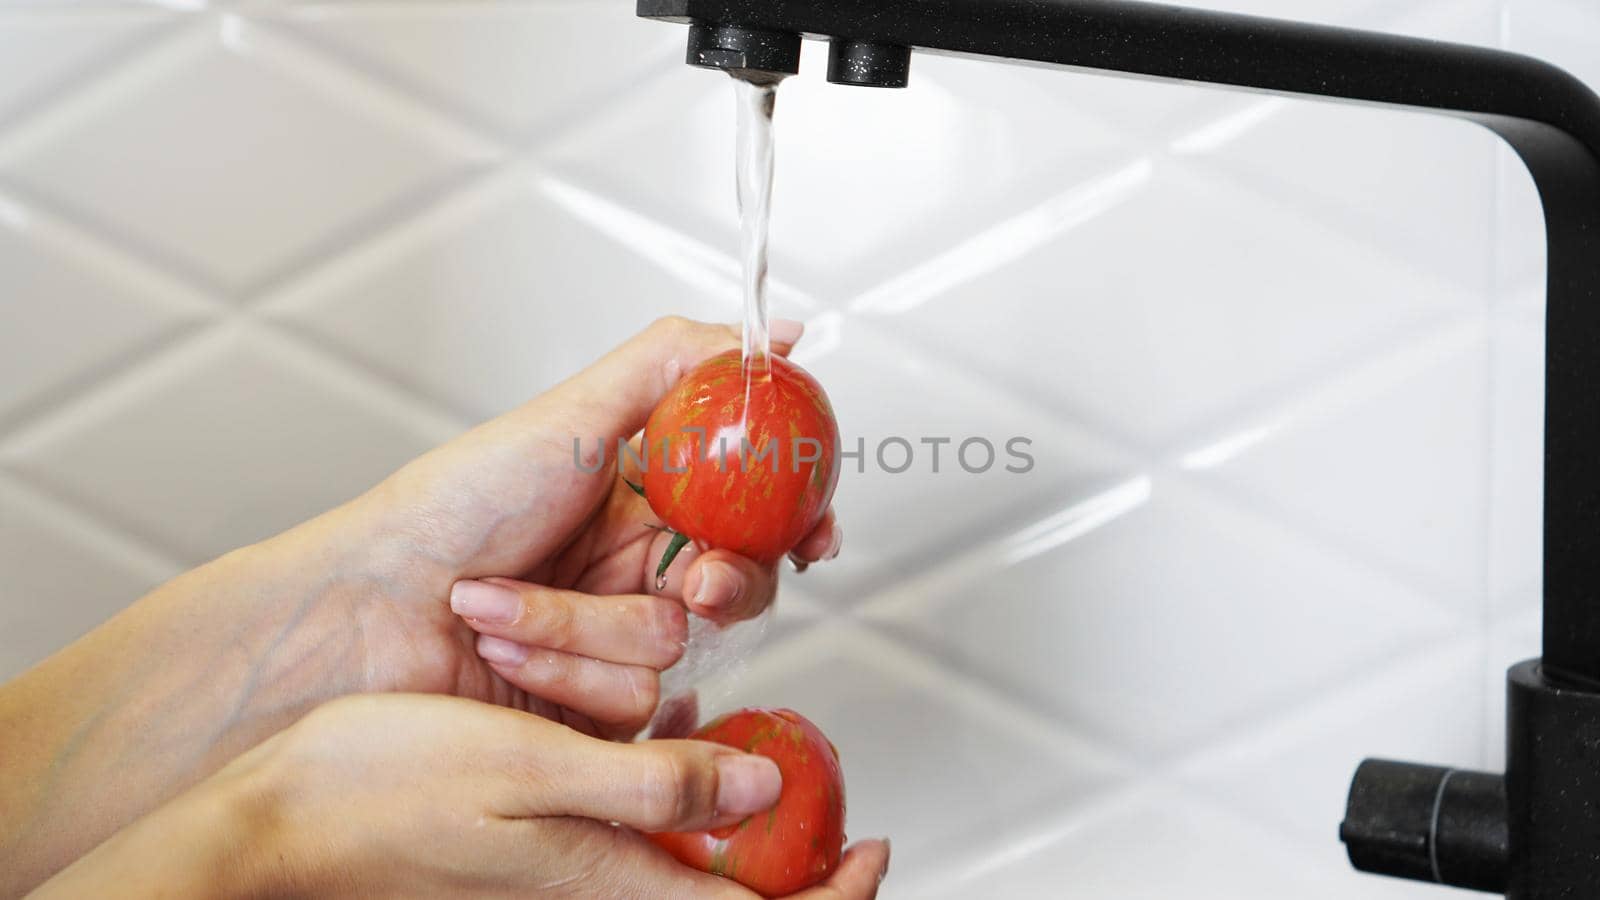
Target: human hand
x,y
555,565
414,795
357,600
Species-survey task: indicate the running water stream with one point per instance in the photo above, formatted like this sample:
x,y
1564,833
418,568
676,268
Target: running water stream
x,y
714,652
753,169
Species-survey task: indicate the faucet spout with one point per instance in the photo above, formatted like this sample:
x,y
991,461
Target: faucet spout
x,y
758,55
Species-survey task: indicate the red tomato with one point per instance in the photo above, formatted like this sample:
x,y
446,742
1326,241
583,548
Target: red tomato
x,y
798,842
755,477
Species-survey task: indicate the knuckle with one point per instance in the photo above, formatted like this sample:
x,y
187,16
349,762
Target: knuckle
x,y
671,327
554,622
668,623
676,789
659,785
542,669
644,692
753,593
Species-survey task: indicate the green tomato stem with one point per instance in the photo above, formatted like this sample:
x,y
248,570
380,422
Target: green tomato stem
x,y
679,541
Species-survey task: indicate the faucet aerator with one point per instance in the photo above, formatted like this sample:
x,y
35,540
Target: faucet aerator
x,y
753,54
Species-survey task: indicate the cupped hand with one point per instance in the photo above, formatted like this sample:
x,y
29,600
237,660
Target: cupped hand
x,y
423,795
513,569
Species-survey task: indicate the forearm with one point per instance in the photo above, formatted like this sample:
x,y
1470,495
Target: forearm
x,y
172,688
210,843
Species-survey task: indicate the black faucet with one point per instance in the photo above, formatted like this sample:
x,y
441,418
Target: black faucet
x,y
1534,833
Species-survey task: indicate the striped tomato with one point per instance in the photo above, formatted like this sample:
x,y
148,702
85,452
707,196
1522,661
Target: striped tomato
x,y
743,466
799,841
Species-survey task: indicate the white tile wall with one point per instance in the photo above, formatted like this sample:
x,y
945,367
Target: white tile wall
x,y
1280,362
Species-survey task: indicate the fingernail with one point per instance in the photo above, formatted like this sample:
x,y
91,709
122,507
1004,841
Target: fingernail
x,y
500,651
887,855
837,545
719,587
746,784
785,331
488,603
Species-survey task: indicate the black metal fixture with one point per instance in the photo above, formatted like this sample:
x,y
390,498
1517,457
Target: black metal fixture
x,y
1533,834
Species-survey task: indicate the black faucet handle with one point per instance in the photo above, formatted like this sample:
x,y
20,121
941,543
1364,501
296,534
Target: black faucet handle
x,y
868,63
1427,823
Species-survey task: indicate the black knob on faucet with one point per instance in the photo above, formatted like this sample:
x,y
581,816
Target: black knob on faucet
x,y
1427,823
868,63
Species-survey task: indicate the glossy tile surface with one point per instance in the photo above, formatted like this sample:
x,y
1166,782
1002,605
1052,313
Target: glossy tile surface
x,y
1278,366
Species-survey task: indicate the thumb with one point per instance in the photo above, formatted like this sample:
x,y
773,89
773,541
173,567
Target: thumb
x,y
613,398
658,785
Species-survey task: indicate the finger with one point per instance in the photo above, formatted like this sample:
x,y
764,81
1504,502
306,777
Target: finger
x,y
613,398
578,722
858,875
628,464
822,543
654,785
678,717
619,696
725,587
633,629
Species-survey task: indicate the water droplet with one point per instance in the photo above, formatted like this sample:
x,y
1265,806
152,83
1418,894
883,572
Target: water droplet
x,y
661,582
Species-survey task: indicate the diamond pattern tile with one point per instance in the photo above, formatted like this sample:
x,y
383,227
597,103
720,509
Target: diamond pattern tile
x,y
323,152
908,772
1520,256
461,305
1117,629
1559,31
1281,364
73,309
864,194
1479,22
480,57
1514,637
1214,314
1160,845
222,444
63,576
41,50
888,400
1294,774
1415,185
1516,485
1348,13
1416,190
1358,465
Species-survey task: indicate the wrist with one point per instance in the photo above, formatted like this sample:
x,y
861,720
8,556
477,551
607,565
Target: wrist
x,y
235,847
248,846
337,590
212,842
